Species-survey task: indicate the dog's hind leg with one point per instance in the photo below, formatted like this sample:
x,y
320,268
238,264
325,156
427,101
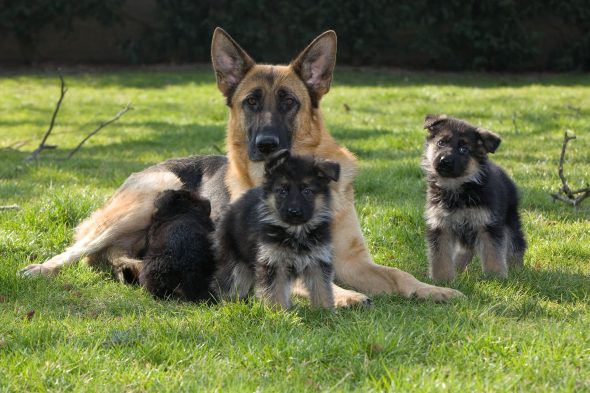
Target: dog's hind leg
x,y
492,251
125,215
125,268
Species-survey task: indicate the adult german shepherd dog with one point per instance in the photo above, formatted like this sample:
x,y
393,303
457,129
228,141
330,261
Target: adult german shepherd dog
x,y
272,107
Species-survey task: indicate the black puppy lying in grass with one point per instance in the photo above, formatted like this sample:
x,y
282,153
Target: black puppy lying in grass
x,y
279,232
179,261
471,203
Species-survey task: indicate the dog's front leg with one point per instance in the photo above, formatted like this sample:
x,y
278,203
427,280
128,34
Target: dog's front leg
x,y
353,265
318,280
273,285
440,254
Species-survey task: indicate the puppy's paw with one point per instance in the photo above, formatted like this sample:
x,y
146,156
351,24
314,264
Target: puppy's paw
x,y
438,294
36,270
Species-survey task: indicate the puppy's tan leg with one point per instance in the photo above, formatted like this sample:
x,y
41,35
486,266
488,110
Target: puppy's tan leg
x,y
273,286
353,265
318,280
492,251
462,258
440,255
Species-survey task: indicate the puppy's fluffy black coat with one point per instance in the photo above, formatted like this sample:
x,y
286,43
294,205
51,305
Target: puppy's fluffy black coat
x,y
278,232
471,205
179,260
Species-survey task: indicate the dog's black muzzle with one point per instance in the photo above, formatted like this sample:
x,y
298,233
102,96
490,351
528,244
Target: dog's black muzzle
x,y
446,166
266,143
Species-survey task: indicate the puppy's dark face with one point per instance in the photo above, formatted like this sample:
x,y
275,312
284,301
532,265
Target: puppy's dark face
x,y
297,188
455,149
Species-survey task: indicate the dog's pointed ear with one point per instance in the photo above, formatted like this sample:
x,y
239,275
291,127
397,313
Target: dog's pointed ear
x,y
315,65
230,62
490,140
276,159
431,120
328,169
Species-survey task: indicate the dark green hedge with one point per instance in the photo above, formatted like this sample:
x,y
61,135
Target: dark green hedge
x,y
454,34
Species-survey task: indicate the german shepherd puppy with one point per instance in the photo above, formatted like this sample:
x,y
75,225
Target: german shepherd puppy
x,y
271,107
471,203
179,261
280,231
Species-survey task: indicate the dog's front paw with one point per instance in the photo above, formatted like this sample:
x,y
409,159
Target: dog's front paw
x,y
36,270
346,298
438,294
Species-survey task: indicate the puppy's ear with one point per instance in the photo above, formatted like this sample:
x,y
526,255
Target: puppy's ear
x,y
275,160
328,169
431,120
315,65
165,198
490,140
230,62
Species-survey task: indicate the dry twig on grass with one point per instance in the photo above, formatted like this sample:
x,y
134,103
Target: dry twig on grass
x,y
42,146
100,127
565,193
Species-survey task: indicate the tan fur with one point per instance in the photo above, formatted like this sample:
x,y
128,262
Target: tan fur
x,y
493,258
115,231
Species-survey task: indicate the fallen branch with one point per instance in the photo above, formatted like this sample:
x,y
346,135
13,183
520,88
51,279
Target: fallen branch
x,y
10,207
35,154
100,127
565,193
514,122
15,146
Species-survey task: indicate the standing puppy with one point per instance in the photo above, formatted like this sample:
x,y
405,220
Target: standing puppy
x,y
471,203
179,261
278,232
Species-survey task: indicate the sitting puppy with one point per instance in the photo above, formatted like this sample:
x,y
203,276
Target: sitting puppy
x,y
471,204
278,232
179,261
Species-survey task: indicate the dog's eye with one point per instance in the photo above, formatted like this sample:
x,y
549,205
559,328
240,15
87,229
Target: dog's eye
x,y
251,101
463,150
307,192
289,101
441,143
282,192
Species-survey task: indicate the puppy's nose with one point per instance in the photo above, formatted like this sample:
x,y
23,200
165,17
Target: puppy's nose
x,y
294,212
267,144
446,160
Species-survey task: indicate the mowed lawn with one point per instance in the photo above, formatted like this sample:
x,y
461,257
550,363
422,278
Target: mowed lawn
x,y
84,332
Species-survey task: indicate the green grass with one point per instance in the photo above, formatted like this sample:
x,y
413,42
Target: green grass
x,y
88,333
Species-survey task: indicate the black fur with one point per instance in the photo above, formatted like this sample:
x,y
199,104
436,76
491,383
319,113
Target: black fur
x,y
277,232
471,202
203,175
179,261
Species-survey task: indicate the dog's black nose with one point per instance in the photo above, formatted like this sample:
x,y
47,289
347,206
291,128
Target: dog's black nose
x,y
267,144
446,161
294,212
